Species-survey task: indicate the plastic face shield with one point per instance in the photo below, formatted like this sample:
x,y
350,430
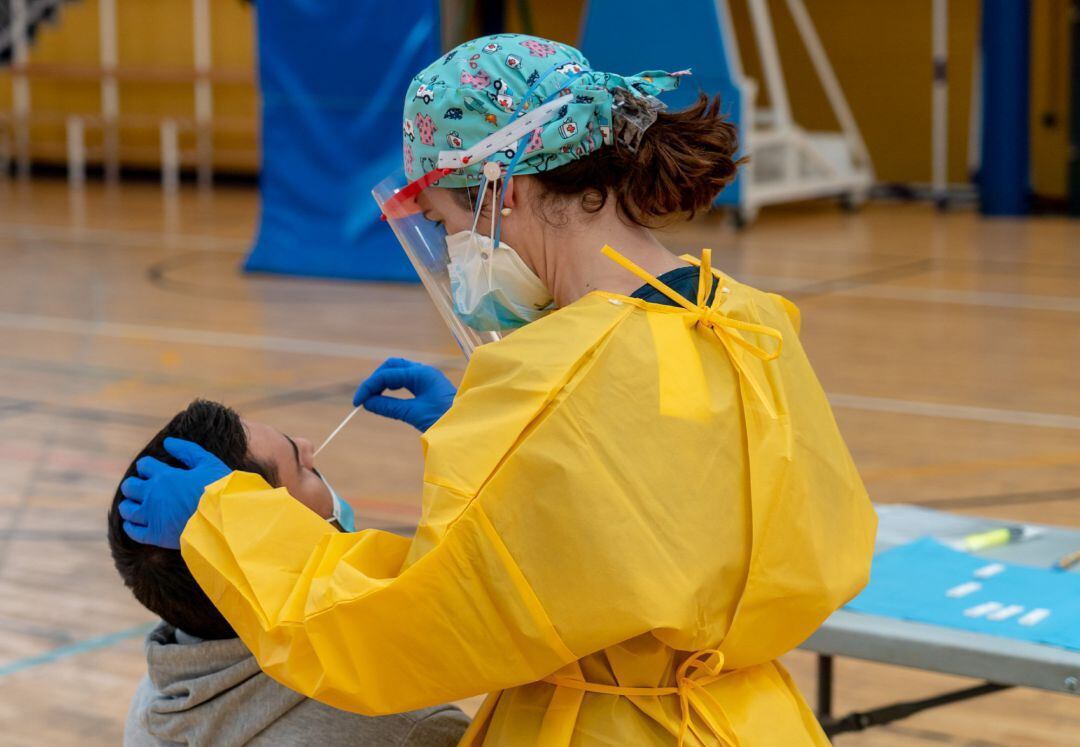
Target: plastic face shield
x,y
424,243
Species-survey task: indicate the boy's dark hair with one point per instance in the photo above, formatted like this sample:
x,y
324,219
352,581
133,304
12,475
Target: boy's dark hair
x,y
158,577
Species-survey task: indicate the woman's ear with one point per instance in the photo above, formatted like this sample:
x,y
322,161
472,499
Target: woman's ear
x,y
509,188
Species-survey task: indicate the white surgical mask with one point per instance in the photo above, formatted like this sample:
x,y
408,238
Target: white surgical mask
x,y
493,288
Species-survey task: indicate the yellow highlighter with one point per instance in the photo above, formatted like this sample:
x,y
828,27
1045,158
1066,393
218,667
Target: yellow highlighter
x,y
995,537
1068,561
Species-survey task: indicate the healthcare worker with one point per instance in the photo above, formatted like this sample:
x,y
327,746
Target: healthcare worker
x,y
638,499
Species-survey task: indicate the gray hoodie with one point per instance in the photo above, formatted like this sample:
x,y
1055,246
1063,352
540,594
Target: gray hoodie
x,y
212,693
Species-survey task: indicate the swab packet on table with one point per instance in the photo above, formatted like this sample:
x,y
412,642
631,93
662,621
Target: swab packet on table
x,y
914,581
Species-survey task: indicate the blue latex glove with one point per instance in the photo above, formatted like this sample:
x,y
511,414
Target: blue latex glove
x,y
432,393
159,502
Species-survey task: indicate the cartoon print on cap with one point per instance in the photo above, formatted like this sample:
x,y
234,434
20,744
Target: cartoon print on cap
x,y
473,105
538,48
425,125
482,85
503,96
478,81
536,140
425,93
479,78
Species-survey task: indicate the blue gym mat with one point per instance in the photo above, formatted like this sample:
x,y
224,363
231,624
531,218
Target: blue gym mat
x,y
910,582
333,75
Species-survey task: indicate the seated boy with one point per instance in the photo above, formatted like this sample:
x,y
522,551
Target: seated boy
x,y
203,687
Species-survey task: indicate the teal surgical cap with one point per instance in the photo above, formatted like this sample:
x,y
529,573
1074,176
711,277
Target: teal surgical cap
x,y
485,84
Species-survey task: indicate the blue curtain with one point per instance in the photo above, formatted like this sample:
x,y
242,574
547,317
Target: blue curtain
x,y
628,36
333,75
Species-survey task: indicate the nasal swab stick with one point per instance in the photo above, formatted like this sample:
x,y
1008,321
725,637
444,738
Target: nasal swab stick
x,y
336,431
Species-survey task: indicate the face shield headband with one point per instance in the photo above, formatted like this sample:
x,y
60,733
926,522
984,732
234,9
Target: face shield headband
x,y
403,203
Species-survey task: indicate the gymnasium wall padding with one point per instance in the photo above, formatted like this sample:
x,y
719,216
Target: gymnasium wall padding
x,y
1005,171
332,76
628,36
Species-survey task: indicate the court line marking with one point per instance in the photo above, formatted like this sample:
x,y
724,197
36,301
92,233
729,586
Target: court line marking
x,y
369,352
956,412
46,535
933,735
992,299
952,296
180,335
118,375
875,276
80,647
915,472
74,234
1004,499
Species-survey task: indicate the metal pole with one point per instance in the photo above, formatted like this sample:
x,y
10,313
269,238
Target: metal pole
x,y
824,687
1074,129
770,63
974,154
1005,175
76,153
170,157
110,89
940,106
5,153
204,94
833,92
774,81
20,87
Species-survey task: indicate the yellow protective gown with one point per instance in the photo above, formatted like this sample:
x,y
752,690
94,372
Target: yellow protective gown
x,y
628,514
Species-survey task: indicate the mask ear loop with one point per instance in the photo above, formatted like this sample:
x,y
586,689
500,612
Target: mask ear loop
x,y
492,173
494,210
479,204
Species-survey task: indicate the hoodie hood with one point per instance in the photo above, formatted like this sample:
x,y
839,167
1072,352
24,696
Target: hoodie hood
x,y
203,692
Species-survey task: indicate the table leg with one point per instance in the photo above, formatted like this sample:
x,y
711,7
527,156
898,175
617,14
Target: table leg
x,y
824,687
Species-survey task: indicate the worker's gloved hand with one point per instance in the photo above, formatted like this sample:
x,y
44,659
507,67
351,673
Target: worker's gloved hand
x,y
159,501
432,393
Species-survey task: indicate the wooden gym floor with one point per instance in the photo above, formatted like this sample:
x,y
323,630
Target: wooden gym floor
x,y
949,345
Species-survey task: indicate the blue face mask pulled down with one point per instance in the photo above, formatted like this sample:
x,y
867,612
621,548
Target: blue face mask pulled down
x,y
343,513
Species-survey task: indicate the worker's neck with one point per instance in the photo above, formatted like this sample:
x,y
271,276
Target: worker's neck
x,y
574,265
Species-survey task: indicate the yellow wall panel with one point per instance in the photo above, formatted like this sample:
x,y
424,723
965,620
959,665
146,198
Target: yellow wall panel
x,y
880,50
152,36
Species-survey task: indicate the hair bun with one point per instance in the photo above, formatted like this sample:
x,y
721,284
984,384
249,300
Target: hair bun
x,y
681,163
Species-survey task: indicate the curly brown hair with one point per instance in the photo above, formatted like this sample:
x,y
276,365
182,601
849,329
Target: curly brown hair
x,y
681,164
